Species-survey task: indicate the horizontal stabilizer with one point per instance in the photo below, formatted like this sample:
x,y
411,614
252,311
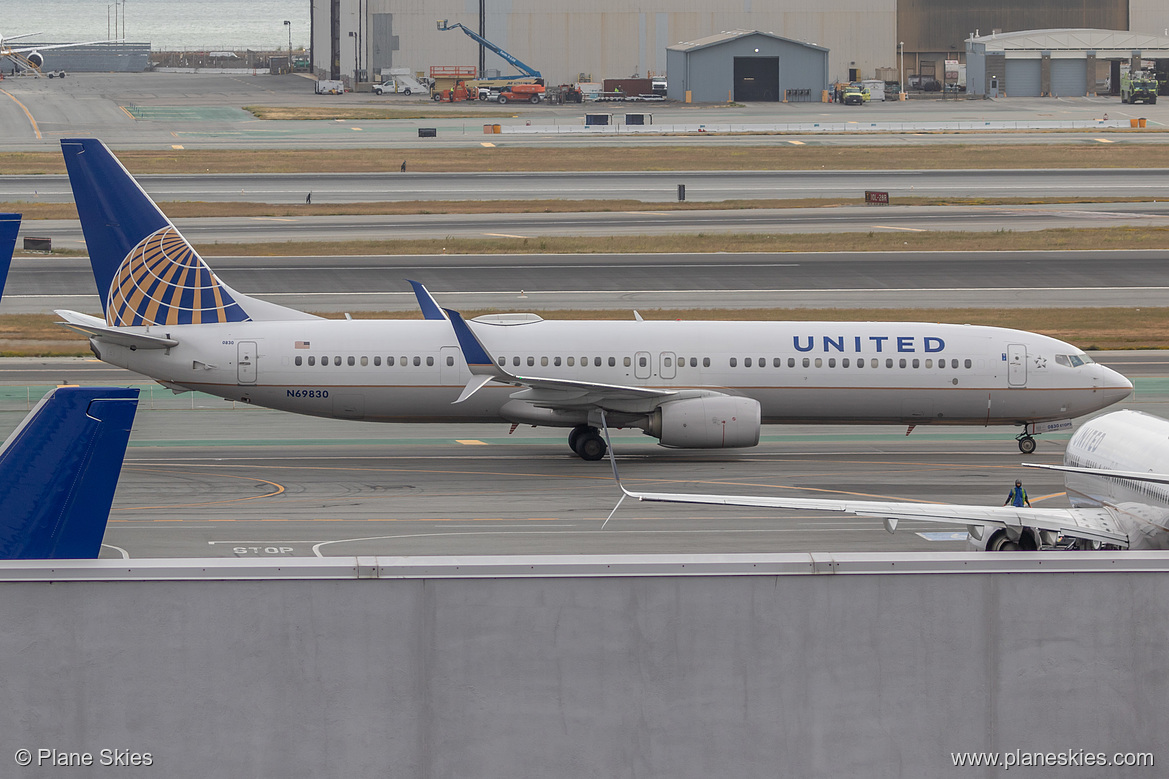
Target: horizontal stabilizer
x,y
58,472
92,326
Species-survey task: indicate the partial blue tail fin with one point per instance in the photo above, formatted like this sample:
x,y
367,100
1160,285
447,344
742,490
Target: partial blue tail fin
x,y
9,226
58,472
146,271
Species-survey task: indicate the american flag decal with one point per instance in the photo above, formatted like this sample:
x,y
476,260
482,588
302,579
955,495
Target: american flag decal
x,y
301,345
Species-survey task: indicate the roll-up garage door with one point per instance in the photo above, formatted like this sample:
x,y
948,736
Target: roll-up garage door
x,y
1068,78
1022,78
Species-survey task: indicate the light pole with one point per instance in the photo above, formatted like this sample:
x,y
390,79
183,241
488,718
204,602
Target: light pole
x,y
901,48
353,35
288,24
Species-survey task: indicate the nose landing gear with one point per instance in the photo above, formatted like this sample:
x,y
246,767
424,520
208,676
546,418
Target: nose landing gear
x,y
1026,443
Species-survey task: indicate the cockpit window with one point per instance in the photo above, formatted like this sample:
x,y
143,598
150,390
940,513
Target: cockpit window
x,y
1073,360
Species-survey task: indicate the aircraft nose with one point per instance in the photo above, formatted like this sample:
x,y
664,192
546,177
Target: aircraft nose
x,y
1115,386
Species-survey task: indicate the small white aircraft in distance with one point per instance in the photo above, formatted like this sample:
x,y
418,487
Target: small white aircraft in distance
x,y
30,57
688,384
1117,481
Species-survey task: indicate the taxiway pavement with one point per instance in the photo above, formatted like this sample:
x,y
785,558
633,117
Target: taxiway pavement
x,y
204,477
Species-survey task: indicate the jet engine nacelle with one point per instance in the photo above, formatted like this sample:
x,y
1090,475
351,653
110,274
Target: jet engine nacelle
x,y
36,58
706,423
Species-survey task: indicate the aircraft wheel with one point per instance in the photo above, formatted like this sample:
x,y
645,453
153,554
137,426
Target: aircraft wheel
x,y
574,438
591,446
1026,444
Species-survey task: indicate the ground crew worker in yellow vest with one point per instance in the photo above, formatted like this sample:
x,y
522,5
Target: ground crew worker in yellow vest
x,y
1017,496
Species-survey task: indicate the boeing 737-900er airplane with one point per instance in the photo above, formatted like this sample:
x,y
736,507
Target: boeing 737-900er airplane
x,y
688,384
1117,481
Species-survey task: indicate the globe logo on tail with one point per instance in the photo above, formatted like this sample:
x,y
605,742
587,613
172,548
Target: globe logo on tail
x,y
164,281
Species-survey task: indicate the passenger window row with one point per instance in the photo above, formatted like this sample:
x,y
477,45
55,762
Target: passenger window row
x,y
643,362
859,362
597,362
351,360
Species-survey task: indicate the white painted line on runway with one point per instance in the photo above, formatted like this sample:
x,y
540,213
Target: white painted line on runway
x,y
906,229
505,235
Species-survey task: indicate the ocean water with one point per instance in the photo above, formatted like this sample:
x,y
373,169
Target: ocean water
x,y
174,25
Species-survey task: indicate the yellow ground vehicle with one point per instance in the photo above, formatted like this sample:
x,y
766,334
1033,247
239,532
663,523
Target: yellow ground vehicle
x,y
854,95
1139,87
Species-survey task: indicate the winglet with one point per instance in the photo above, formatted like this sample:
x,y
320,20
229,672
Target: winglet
x,y
478,360
58,471
9,227
426,301
474,385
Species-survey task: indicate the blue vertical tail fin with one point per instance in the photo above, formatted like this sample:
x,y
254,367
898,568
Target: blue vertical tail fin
x,y
9,227
58,472
146,271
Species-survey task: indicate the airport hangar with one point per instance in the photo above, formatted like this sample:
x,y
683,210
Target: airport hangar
x,y
865,38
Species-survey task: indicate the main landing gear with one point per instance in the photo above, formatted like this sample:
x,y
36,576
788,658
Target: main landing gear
x,y
1026,443
586,441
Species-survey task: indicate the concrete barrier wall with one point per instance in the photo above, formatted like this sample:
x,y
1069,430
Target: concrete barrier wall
x,y
784,665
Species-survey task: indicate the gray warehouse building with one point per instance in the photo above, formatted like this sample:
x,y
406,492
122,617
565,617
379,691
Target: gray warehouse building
x,y
1056,63
746,65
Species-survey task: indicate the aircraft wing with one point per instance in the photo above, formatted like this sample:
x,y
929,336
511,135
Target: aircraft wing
x,y
25,50
1097,524
97,328
1090,524
550,392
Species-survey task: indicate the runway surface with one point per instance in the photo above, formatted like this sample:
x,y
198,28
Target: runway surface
x,y
650,281
66,234
648,186
204,477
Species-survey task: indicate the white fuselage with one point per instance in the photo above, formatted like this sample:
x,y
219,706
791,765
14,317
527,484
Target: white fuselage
x,y
819,372
1124,441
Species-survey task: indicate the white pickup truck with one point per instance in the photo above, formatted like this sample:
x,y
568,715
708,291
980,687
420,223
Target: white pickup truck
x,y
399,83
